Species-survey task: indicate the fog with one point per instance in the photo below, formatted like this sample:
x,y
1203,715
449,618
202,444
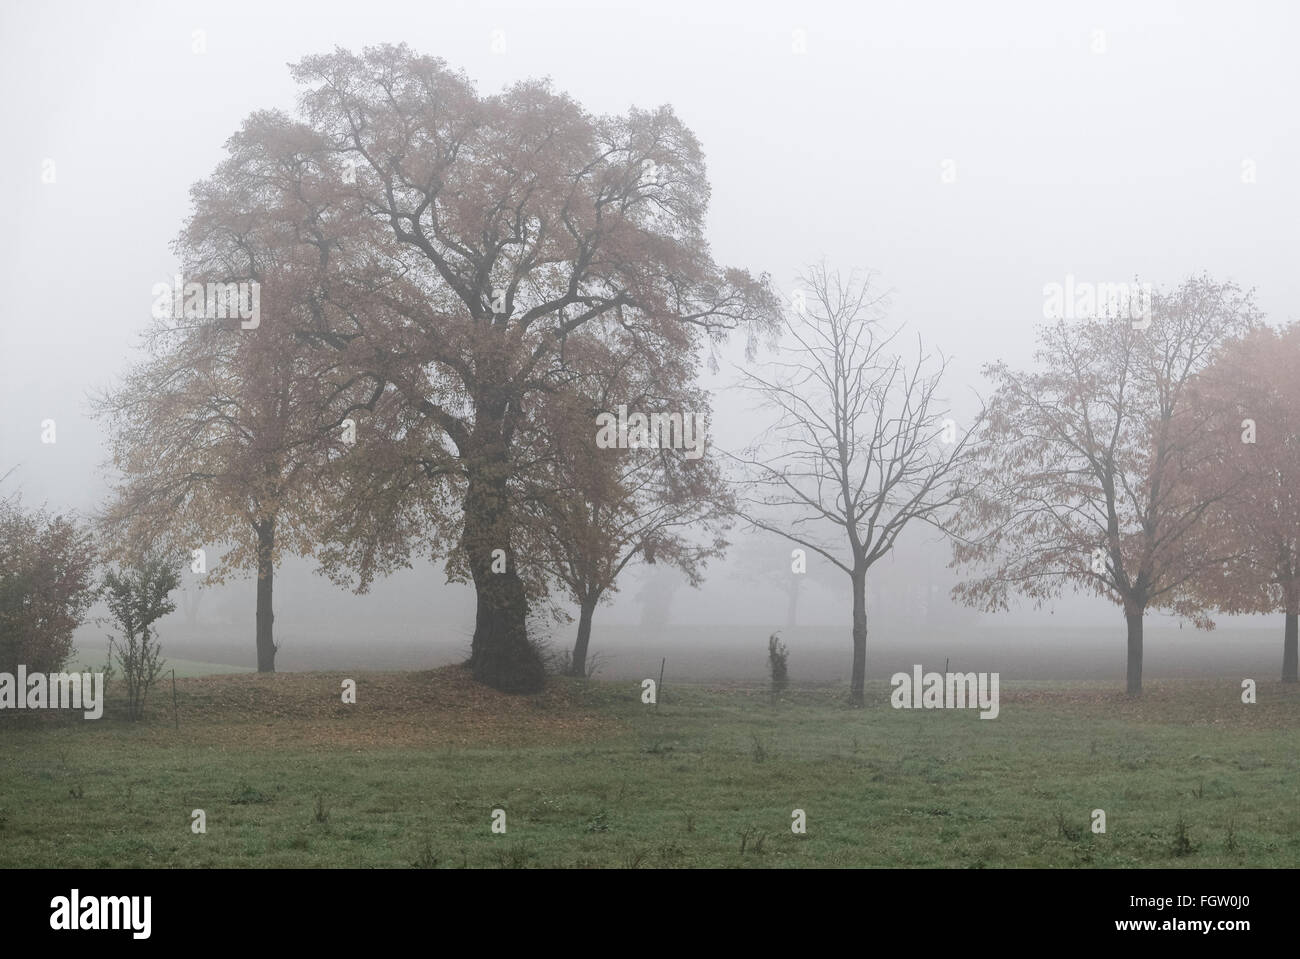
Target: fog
x,y
968,155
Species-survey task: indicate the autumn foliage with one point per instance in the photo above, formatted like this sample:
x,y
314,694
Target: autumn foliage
x,y
47,585
1092,471
1251,402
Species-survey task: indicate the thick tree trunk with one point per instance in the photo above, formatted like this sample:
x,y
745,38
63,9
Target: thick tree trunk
x,y
501,655
265,584
1289,645
859,637
1134,620
578,667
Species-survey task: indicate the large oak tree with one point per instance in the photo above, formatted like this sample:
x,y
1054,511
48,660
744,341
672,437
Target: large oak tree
x,y
496,228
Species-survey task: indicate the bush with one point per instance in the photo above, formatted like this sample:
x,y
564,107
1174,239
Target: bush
x,y
776,664
46,586
138,598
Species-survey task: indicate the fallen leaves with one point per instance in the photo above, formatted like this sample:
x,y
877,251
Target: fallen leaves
x,y
441,707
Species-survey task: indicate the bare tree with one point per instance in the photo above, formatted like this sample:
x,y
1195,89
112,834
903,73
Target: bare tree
x,y
862,444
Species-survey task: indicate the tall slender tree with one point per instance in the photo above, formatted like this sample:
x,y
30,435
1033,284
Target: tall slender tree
x,y
222,434
648,499
860,446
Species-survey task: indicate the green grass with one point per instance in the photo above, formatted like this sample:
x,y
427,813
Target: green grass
x,y
685,784
91,656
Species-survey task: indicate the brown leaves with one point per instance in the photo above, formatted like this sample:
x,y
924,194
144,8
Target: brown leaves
x,y
440,707
1248,401
46,588
1177,702
1087,464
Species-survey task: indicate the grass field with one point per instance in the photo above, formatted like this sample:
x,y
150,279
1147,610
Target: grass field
x,y
91,655
589,776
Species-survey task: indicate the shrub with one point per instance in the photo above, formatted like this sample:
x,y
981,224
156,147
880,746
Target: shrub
x,y
427,858
1182,844
46,586
777,655
137,598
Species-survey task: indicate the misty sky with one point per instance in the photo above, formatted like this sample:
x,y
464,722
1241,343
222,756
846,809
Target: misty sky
x,y
1068,161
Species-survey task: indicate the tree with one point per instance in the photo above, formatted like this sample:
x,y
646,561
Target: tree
x,y
1084,471
491,231
1250,400
138,596
604,506
47,566
224,431
861,445
763,562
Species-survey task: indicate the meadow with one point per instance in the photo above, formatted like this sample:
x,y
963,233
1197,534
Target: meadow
x,y
590,776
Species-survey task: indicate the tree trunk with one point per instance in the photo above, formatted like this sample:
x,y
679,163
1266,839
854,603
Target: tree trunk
x,y
578,667
500,655
859,637
1289,645
265,584
1134,620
